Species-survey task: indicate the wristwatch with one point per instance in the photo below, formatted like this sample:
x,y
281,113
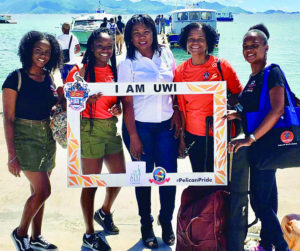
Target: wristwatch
x,y
251,136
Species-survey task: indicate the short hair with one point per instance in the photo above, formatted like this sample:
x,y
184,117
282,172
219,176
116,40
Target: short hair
x,y
211,35
262,28
119,17
89,56
148,22
26,49
66,26
111,19
105,19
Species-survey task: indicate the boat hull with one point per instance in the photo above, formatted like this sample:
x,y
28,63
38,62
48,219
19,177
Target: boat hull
x,y
224,19
82,35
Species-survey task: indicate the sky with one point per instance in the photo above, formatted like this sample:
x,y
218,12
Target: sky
x,y
256,5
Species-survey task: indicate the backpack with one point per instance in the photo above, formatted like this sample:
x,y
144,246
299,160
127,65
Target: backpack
x,y
201,219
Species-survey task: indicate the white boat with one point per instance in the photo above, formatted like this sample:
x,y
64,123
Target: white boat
x,y
7,19
224,16
83,26
183,17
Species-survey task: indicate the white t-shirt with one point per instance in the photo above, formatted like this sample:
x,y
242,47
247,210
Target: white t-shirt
x,y
150,108
112,27
64,41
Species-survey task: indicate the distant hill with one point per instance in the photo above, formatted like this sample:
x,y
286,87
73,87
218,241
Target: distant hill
x,y
112,6
279,12
222,8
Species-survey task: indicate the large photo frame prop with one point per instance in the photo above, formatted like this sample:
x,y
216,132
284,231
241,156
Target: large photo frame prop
x,y
77,94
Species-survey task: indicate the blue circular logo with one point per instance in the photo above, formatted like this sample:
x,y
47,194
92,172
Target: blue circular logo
x,y
159,174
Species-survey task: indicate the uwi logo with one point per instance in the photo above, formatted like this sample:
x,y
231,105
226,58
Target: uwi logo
x,y
77,93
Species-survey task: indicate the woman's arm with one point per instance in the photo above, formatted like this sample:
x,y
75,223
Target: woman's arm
x,y
277,110
9,98
136,146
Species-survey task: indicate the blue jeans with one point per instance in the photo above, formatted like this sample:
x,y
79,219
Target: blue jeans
x,y
160,149
264,201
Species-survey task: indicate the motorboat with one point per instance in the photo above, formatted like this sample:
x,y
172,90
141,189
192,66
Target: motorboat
x,y
7,19
183,17
224,17
83,26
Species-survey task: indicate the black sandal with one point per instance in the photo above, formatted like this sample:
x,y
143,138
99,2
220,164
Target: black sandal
x,y
167,234
148,237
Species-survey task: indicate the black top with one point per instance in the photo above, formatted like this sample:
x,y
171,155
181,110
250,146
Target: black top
x,y
121,27
103,25
249,98
35,99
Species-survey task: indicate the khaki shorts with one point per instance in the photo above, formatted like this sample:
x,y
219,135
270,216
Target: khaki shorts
x,y
100,140
120,39
34,145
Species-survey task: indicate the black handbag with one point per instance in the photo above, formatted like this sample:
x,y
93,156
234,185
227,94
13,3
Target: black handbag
x,y
66,52
280,147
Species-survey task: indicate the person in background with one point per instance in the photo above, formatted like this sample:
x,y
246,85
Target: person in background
x,y
263,188
199,40
28,96
104,24
112,26
157,23
162,22
99,138
152,138
64,41
120,35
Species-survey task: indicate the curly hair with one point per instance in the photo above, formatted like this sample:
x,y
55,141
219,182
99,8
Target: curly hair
x,y
26,48
149,23
89,56
211,35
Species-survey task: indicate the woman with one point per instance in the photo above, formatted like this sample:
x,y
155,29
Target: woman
x,y
151,138
262,182
199,40
27,102
99,138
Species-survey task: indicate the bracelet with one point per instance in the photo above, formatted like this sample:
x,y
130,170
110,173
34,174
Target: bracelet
x,y
176,107
12,160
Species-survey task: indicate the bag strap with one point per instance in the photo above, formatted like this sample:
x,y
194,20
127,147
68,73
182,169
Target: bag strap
x,y
70,42
219,68
19,80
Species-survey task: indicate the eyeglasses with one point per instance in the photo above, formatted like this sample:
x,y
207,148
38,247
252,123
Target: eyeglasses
x,y
196,40
251,47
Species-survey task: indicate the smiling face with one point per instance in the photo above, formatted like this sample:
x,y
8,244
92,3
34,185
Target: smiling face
x,y
254,48
102,49
142,38
196,42
41,54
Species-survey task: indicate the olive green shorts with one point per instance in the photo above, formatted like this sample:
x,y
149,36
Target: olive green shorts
x,y
34,145
101,139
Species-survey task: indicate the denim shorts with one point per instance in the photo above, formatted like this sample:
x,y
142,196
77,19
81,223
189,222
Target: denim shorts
x,y
100,139
34,145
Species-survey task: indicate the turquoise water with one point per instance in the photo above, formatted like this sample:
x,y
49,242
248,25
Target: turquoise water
x,y
284,41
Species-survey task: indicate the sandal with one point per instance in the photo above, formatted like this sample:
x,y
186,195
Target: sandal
x,y
148,237
167,234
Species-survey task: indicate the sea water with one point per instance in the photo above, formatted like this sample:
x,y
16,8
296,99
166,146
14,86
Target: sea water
x,y
284,41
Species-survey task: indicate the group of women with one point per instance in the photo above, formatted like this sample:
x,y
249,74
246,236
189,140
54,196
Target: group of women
x,y
156,129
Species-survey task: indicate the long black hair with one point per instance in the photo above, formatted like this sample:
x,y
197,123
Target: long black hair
x,y
89,56
26,49
149,23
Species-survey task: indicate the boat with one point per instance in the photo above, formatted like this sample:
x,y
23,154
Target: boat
x,y
183,17
83,26
7,19
224,17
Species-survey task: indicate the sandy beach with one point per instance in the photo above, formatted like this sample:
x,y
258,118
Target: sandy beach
x,y
63,223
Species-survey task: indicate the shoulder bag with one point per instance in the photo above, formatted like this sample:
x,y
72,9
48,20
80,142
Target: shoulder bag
x,y
66,52
280,147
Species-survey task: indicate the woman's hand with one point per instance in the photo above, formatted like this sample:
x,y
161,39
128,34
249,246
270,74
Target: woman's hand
x,y
176,122
232,114
235,145
93,98
115,110
136,147
14,166
181,149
